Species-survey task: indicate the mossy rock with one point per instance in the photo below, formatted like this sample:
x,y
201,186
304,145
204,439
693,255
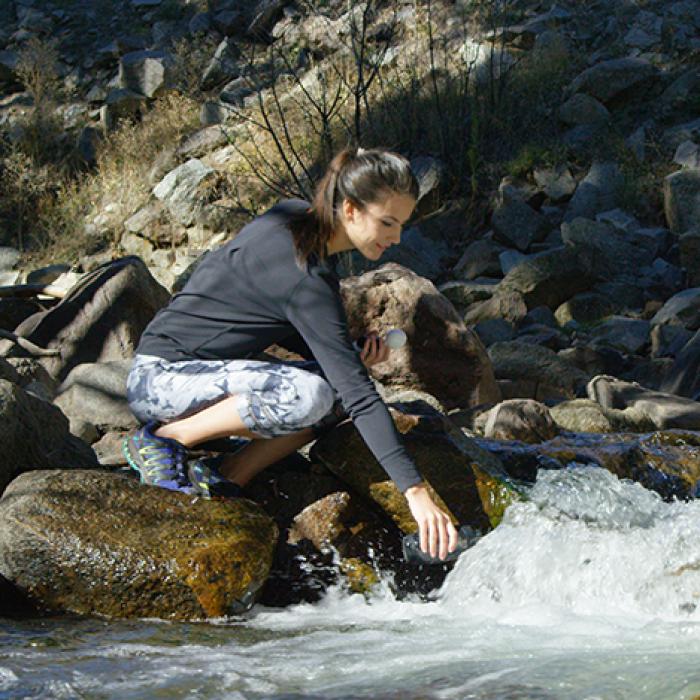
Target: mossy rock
x,y
465,480
89,542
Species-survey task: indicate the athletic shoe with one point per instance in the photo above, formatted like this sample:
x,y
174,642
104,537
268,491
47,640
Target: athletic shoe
x,y
160,461
207,480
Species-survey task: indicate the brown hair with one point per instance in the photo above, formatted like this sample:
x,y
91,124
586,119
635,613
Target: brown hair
x,y
359,175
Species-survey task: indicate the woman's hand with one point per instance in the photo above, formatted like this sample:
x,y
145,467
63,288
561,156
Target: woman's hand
x,y
375,350
437,533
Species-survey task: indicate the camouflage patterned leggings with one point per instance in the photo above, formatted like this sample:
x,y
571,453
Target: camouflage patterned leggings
x,y
271,399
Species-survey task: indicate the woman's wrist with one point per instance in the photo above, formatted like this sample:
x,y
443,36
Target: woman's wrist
x,y
414,490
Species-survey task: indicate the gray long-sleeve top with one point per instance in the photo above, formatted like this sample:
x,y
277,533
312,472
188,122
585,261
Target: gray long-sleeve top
x,y
251,293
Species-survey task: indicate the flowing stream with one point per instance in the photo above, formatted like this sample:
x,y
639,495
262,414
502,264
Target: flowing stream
x,y
589,590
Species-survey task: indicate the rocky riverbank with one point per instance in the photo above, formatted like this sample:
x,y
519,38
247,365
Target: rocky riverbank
x,y
558,324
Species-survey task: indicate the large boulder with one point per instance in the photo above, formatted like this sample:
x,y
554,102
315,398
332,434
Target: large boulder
x,y
183,190
538,369
34,435
664,411
548,278
613,79
597,192
96,393
682,199
518,225
599,247
504,305
94,543
682,309
100,319
466,480
442,356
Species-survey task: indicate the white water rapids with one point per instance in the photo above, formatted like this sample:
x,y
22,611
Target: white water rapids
x,y
587,591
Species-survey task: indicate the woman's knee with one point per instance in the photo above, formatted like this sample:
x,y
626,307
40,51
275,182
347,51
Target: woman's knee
x,y
316,399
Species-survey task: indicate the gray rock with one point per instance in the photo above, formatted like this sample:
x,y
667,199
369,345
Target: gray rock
x,y
48,274
202,142
96,392
147,73
682,199
629,335
509,259
120,104
586,308
133,244
582,416
180,190
682,309
601,247
463,294
553,376
35,436
689,246
638,38
429,172
668,340
480,258
200,23
502,305
597,192
544,335
676,135
663,410
100,319
677,94
619,219
581,109
687,155
518,225
8,67
549,278
611,79
637,143
263,17
557,183
145,216
235,92
495,330
223,66
683,378
523,420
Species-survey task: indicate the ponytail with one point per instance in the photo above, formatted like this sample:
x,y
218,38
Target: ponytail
x,y
358,175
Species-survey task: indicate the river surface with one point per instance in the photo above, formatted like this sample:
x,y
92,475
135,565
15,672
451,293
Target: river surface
x,y
590,590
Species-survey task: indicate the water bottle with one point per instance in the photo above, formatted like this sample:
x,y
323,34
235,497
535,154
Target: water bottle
x,y
467,537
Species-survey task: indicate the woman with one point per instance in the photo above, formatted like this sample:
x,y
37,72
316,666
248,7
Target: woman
x,y
192,382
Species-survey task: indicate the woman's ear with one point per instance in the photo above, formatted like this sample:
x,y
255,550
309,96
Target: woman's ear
x,y
349,210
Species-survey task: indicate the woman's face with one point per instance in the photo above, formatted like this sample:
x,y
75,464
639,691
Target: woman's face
x,y
376,227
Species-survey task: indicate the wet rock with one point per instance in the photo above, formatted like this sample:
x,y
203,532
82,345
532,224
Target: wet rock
x,y
393,297
682,309
101,318
611,80
524,420
96,392
552,376
664,411
35,435
582,416
96,543
466,480
549,278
